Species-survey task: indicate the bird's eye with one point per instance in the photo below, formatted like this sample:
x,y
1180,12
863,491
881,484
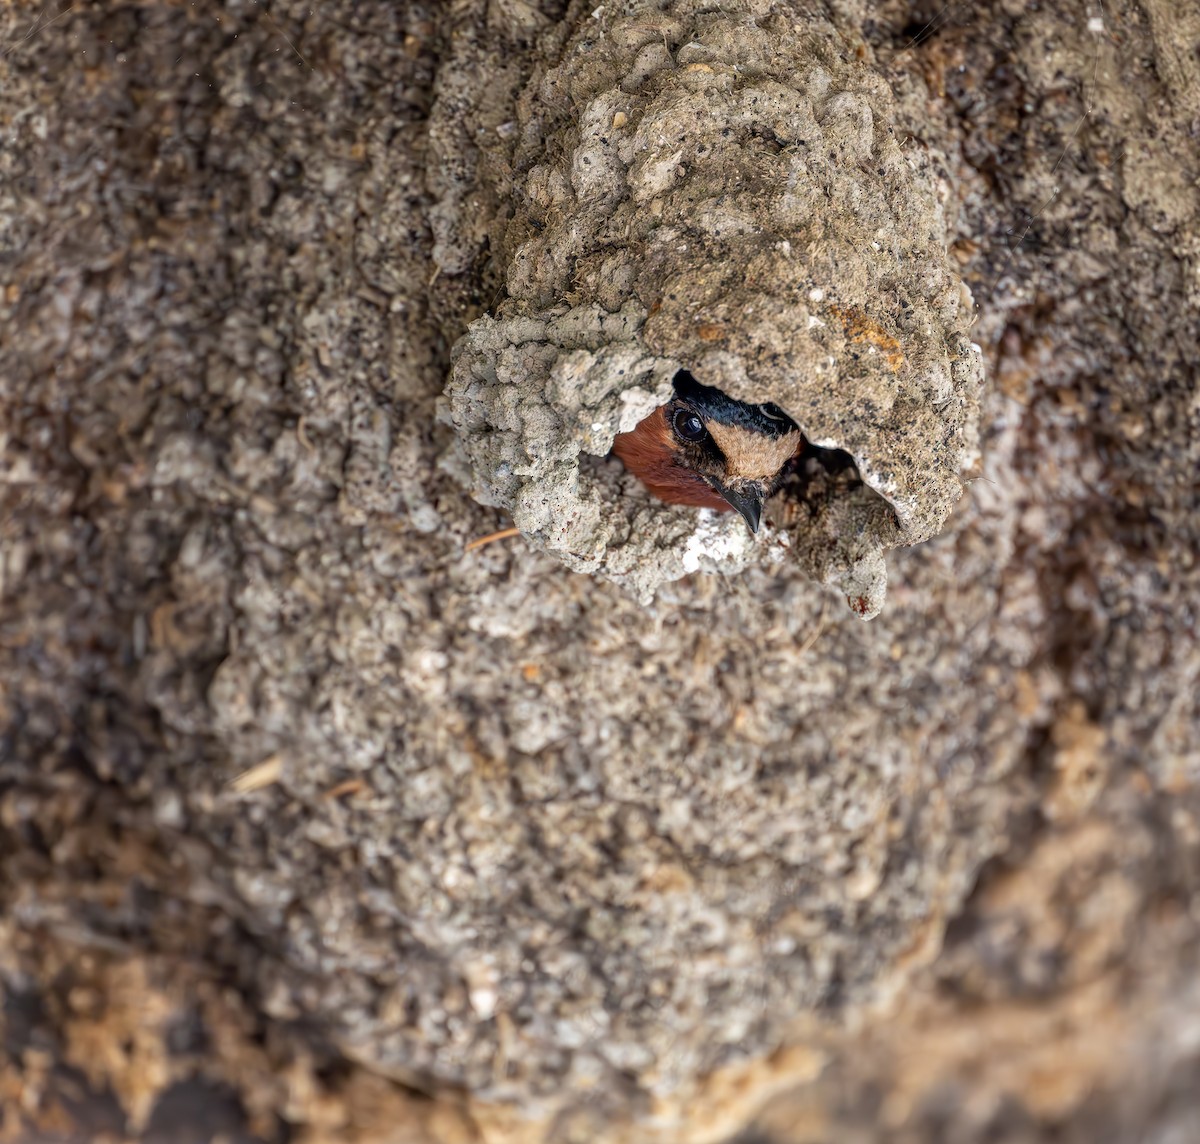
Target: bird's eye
x,y
688,426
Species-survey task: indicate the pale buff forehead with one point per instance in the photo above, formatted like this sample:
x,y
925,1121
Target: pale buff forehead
x,y
752,456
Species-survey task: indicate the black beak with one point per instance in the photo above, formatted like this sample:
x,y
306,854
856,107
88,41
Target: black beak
x,y
748,501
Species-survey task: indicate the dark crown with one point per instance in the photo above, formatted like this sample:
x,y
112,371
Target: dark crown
x,y
711,403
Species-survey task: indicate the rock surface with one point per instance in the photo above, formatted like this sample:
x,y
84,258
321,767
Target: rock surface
x,y
320,824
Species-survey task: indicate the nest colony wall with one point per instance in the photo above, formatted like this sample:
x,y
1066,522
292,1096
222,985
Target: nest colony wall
x,y
718,191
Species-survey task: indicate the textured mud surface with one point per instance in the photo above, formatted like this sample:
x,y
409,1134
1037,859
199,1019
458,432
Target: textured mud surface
x,y
319,825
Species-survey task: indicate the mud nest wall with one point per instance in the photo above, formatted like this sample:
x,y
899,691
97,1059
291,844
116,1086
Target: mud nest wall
x,y
321,824
718,190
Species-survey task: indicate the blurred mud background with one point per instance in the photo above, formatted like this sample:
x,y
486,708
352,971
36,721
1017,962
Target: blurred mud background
x,y
319,826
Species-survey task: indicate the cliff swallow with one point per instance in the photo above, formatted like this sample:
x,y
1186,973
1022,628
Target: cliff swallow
x,y
704,448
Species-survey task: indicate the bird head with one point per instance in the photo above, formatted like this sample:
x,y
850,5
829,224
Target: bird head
x,y
705,448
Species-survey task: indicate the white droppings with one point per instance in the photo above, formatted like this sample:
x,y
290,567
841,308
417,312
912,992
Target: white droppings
x,y
713,541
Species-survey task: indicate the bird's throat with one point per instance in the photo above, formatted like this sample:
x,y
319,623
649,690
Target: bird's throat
x,y
648,451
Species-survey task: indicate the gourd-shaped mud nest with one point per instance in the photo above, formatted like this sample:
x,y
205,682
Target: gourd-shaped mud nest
x,y
717,195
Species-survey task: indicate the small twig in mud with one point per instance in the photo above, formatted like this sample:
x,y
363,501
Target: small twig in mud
x,y
37,27
268,18
503,534
261,775
816,635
